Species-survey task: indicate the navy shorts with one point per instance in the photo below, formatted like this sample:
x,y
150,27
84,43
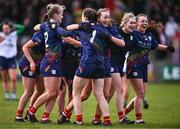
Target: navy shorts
x,y
116,68
107,66
90,70
69,70
50,69
24,67
7,63
138,72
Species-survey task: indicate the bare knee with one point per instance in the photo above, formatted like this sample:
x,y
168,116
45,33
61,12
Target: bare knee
x,y
52,95
84,97
99,96
140,94
13,79
28,93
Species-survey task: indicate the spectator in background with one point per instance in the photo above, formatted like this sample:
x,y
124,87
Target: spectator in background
x,y
171,28
8,52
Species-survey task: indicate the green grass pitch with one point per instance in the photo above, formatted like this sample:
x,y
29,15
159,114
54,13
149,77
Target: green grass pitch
x,y
164,111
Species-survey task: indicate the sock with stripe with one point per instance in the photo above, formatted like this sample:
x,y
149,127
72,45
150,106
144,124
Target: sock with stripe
x,y
32,110
19,114
121,115
138,116
126,111
79,119
107,120
97,117
45,116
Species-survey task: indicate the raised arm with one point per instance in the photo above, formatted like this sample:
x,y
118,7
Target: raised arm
x,y
164,47
37,27
72,27
117,41
19,28
72,41
116,37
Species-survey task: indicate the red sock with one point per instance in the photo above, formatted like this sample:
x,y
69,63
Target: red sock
x,y
19,113
66,111
69,116
45,116
138,116
79,118
97,117
121,115
29,107
107,120
126,111
32,110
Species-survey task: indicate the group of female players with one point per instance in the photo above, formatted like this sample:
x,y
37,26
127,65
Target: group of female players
x,y
86,57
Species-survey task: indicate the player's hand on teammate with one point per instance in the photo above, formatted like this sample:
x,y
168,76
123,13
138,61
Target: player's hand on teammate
x,y
171,49
106,36
33,67
85,27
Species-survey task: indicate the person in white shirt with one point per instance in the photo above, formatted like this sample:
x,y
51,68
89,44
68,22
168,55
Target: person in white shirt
x,y
8,52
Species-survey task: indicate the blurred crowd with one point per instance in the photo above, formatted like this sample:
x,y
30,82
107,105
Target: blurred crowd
x,y
30,12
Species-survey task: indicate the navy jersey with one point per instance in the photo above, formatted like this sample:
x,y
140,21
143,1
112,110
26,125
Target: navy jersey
x,y
38,51
138,55
70,60
71,54
93,45
118,53
53,41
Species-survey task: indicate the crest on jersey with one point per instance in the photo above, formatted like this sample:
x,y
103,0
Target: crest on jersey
x,y
53,71
131,37
150,38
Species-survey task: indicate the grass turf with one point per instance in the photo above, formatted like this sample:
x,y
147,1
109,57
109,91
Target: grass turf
x,y
164,112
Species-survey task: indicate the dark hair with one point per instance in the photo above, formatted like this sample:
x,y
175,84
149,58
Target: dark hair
x,y
53,9
45,17
10,24
152,25
90,14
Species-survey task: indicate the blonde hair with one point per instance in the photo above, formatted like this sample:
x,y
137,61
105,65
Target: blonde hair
x,y
54,8
126,18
